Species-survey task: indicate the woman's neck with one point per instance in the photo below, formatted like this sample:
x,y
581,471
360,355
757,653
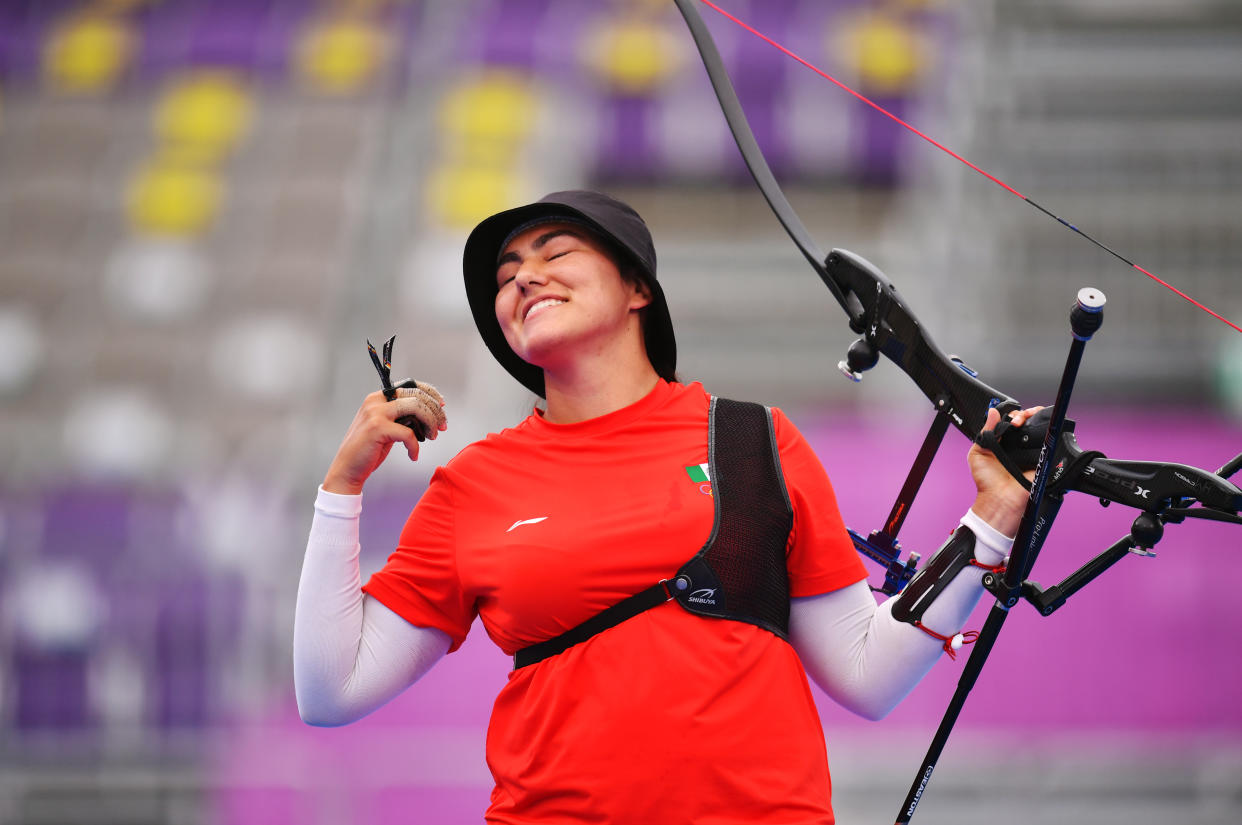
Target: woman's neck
x,y
585,397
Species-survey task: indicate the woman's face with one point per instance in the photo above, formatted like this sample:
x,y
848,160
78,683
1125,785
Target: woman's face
x,y
561,295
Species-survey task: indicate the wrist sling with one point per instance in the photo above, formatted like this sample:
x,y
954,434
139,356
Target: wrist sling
x,y
740,573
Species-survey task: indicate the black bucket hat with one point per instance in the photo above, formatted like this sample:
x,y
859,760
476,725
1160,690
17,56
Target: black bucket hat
x,y
615,222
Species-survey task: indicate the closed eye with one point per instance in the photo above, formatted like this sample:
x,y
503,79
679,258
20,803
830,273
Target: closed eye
x,y
506,272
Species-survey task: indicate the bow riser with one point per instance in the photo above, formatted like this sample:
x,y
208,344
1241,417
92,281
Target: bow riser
x,y
887,325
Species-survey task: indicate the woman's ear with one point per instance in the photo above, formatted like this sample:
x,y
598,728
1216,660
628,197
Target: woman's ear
x,y
641,291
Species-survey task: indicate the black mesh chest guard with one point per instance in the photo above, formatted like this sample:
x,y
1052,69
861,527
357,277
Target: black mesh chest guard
x,y
740,573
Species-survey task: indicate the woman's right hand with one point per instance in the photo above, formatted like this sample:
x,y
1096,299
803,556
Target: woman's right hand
x,y
375,429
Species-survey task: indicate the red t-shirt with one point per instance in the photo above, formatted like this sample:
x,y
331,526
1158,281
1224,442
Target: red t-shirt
x,y
669,716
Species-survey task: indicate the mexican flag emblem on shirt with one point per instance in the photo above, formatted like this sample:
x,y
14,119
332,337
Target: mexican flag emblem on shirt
x,y
698,472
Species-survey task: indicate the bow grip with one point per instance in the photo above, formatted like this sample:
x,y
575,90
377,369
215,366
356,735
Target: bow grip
x,y
1020,446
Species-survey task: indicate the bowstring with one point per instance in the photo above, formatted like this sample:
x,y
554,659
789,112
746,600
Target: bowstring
x,y
788,52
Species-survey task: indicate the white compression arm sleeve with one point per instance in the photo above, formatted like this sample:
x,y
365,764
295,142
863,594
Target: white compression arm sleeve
x,y
351,654
866,660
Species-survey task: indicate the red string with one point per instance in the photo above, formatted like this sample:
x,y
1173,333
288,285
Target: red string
x,y
998,569
950,152
1206,309
968,637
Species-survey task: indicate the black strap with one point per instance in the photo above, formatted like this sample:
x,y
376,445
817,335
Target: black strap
x,y
990,440
740,572
610,617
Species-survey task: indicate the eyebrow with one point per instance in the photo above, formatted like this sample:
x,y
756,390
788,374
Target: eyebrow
x,y
513,257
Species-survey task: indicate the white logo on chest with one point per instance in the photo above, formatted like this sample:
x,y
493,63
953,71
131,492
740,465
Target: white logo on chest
x,y
520,522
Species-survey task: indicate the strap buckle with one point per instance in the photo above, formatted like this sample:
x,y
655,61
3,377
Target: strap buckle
x,y
675,585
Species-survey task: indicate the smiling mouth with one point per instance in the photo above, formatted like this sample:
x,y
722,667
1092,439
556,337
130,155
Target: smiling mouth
x,y
541,306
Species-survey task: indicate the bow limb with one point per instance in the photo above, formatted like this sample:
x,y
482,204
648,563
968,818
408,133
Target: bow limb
x,y
751,153
875,308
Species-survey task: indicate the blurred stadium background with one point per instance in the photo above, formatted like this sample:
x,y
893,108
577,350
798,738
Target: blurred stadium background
x,y
207,207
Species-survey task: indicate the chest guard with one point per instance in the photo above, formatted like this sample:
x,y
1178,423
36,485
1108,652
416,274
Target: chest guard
x,y
740,572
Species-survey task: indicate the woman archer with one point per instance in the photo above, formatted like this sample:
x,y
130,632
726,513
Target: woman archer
x,y
688,704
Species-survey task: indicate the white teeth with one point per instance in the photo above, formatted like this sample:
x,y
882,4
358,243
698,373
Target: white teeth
x,y
542,305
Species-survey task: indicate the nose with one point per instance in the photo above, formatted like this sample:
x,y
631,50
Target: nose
x,y
529,274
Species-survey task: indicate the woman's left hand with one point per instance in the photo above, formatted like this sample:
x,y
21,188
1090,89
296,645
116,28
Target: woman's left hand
x,y
1001,500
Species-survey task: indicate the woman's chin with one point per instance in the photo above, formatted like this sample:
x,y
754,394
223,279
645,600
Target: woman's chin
x,y
546,347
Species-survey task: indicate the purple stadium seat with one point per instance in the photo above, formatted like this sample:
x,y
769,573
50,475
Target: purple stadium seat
x,y
87,523
508,35
24,27
182,655
248,36
51,689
